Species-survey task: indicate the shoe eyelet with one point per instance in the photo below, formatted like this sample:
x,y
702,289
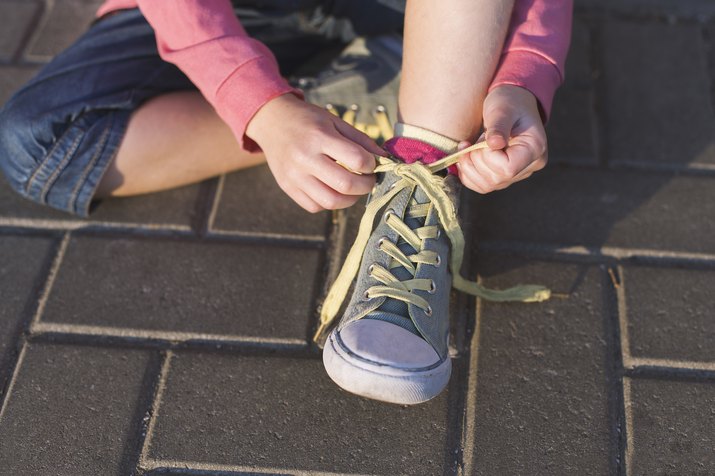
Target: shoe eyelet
x,y
366,296
392,185
380,242
438,262
428,311
439,234
432,287
387,214
370,269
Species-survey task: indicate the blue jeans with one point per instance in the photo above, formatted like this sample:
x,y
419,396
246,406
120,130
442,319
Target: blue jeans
x,y
60,132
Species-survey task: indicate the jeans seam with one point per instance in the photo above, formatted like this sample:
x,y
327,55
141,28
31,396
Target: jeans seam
x,y
88,168
42,164
61,165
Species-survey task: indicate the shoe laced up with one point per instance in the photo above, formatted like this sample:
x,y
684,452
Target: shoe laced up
x,y
425,177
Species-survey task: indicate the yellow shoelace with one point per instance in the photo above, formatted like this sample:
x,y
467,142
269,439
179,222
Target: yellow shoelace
x,y
382,128
411,176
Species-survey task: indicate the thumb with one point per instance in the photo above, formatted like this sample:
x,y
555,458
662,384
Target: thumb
x,y
498,122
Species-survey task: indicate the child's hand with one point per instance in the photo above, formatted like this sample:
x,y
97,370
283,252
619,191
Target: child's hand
x,y
303,145
511,115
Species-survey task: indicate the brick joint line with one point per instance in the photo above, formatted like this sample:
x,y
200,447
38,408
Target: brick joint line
x,y
219,469
165,336
155,406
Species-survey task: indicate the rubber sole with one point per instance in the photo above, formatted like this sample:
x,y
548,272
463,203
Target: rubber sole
x,y
382,382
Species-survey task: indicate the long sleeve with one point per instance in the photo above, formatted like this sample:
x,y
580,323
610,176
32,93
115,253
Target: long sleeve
x,y
235,73
535,49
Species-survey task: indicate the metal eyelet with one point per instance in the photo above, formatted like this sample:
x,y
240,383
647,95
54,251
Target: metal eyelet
x,y
428,311
366,296
370,269
439,233
389,212
392,185
438,262
380,241
432,287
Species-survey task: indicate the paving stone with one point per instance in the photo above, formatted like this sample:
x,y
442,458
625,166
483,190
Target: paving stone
x,y
73,411
673,427
252,201
570,127
687,8
12,77
658,106
670,313
207,287
24,258
596,208
62,25
569,130
15,18
541,403
173,207
286,413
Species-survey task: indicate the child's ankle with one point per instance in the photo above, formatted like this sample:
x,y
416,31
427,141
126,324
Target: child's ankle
x,y
415,144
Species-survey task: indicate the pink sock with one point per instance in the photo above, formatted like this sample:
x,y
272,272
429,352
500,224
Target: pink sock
x,y
411,150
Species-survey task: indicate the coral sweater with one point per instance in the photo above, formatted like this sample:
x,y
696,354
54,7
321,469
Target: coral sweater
x,y
207,42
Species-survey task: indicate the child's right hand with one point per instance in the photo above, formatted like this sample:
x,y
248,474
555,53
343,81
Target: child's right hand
x,y
303,145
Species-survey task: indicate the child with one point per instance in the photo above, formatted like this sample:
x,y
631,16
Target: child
x,y
113,116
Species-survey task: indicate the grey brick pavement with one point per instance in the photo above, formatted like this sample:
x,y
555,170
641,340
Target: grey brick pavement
x,y
169,334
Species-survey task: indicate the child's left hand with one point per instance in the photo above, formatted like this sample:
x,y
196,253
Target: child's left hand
x,y
511,116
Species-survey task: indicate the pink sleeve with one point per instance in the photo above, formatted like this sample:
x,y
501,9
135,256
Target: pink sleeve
x,y
535,49
234,72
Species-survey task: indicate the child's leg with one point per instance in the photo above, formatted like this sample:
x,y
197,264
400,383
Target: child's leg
x,y
172,140
109,117
451,51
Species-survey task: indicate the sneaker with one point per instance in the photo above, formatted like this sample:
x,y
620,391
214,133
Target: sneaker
x,y
391,344
360,85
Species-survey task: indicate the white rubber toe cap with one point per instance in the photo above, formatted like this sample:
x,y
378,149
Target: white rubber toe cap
x,y
387,344
377,359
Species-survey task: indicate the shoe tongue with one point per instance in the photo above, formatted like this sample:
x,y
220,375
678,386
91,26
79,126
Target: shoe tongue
x,y
396,310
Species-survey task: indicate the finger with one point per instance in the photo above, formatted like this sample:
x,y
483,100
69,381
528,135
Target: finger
x,y
359,138
340,179
527,172
491,176
498,122
463,145
304,201
349,154
509,163
326,197
471,179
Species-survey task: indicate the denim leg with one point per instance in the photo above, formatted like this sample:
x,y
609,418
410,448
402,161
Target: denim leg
x,y
59,133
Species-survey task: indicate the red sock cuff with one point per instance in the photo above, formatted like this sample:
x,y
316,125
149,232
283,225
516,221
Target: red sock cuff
x,y
411,150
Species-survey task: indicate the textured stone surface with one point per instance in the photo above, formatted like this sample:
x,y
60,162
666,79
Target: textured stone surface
x,y
570,127
673,427
61,25
541,405
686,8
658,103
12,77
670,313
217,288
173,207
595,208
15,18
253,202
73,411
22,262
287,413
